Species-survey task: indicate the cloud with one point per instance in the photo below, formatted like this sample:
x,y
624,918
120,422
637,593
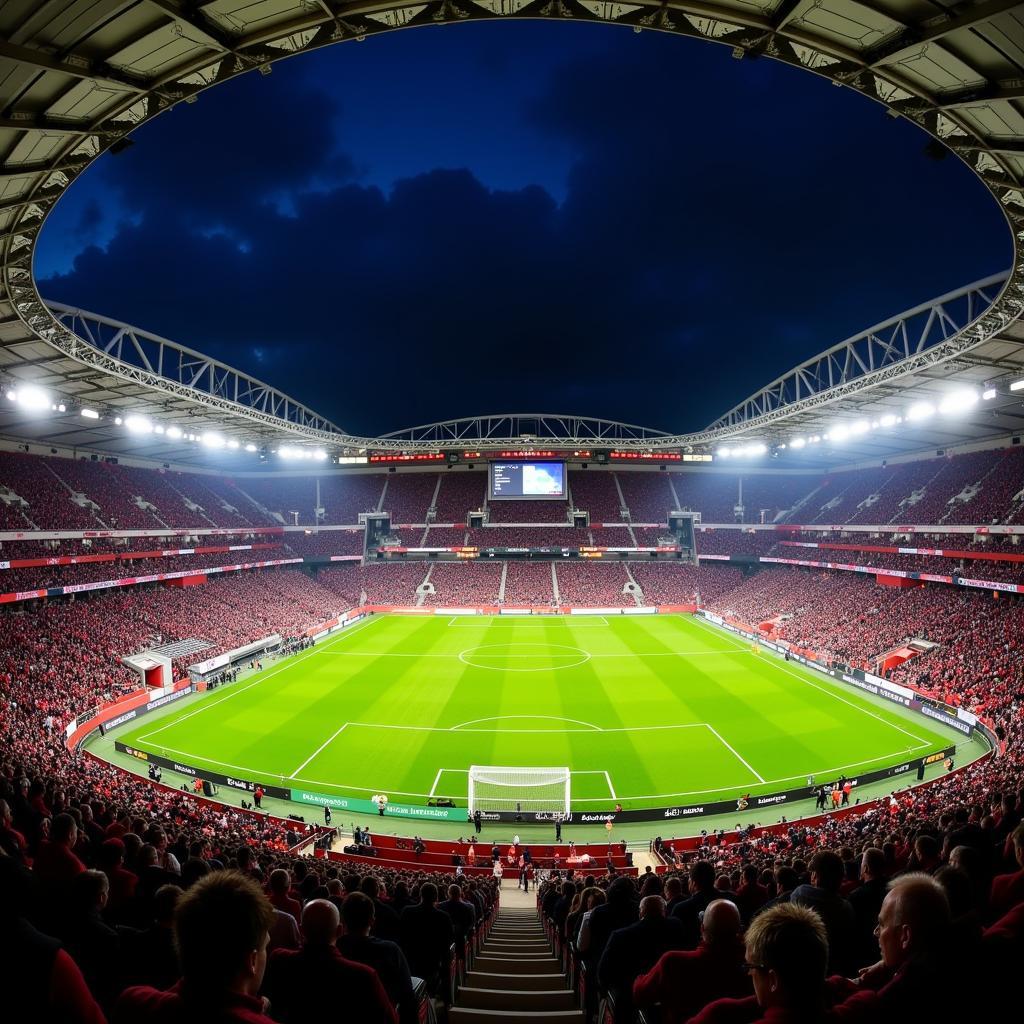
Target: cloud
x,y
723,220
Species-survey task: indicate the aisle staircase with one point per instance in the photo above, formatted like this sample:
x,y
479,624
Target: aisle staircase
x,y
515,977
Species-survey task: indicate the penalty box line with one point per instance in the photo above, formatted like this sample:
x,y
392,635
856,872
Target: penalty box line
x,y
465,771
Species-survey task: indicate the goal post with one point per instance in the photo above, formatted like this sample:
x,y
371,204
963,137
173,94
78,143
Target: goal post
x,y
519,790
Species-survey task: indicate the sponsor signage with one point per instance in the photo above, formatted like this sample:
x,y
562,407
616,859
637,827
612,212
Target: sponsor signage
x,y
391,810
940,716
229,781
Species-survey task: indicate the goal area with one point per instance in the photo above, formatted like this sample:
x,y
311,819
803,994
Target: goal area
x,y
519,790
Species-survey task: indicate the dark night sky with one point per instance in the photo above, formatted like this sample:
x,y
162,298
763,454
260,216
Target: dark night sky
x,y
520,217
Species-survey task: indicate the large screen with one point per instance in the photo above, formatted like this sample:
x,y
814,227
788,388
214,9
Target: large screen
x,y
529,480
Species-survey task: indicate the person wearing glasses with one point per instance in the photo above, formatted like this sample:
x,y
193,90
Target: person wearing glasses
x,y
786,953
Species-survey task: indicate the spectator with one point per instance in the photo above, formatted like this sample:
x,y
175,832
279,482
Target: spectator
x,y
316,981
222,930
822,896
786,955
427,937
635,949
683,981
384,956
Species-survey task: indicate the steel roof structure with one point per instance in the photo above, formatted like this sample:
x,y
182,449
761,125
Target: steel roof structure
x,y
77,76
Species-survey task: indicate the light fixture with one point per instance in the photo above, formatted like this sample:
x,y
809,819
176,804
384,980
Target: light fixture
x,y
139,425
250,447
158,429
860,427
888,420
212,439
12,396
840,432
724,453
988,394
920,411
958,401
32,398
797,442
62,407
174,433
90,414
320,455
232,443
1017,385
118,420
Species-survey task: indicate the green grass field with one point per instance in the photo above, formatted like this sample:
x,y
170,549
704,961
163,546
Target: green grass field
x,y
645,711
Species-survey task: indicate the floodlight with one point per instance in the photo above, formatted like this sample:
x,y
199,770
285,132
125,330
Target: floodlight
x,y
888,420
1017,385
139,425
958,401
250,447
32,398
90,414
920,411
797,442
860,427
840,432
988,394
212,440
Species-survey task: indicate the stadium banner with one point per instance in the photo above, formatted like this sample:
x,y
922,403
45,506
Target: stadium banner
x,y
456,611
245,785
391,810
595,611
712,807
130,581
132,713
191,531
958,581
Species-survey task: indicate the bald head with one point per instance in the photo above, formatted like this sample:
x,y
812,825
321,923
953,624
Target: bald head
x,y
652,906
320,922
721,922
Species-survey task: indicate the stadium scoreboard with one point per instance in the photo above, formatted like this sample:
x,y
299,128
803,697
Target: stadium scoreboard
x,y
526,481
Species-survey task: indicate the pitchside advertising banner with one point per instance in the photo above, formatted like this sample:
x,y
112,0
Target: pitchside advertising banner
x,y
391,810
246,785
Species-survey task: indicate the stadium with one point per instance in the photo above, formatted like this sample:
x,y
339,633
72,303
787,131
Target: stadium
x,y
289,710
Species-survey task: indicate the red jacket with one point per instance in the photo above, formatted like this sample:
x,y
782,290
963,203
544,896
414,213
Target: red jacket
x,y
685,980
145,1005
1007,892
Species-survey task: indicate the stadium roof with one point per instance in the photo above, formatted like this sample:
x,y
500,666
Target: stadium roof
x,y
76,76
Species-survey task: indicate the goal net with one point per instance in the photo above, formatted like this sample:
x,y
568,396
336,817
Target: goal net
x,y
522,790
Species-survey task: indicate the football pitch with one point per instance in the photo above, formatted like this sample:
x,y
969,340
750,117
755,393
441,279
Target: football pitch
x,y
645,711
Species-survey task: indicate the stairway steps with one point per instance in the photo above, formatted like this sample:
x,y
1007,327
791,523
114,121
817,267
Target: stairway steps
x,y
506,965
524,982
514,999
461,1015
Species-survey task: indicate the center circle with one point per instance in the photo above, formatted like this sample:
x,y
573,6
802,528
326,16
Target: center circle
x,y
523,657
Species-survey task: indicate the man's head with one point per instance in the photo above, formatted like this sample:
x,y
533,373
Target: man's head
x,y
320,923
826,870
787,953
455,892
90,890
165,902
63,830
721,923
370,887
357,914
652,907
280,881
673,888
913,919
872,864
702,876
221,930
428,894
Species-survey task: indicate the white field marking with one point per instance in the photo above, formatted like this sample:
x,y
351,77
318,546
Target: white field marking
x,y
439,728
627,654
857,707
734,752
611,788
505,668
455,796
535,621
437,779
326,742
507,718
259,678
